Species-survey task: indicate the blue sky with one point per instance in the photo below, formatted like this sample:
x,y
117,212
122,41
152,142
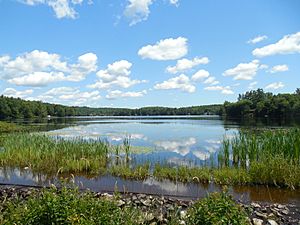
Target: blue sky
x,y
134,53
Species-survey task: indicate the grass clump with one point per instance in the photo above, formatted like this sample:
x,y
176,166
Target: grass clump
x,y
231,176
42,153
66,206
182,173
9,127
217,209
140,172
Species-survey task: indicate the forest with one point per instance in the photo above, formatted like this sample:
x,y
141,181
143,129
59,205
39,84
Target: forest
x,y
255,103
13,108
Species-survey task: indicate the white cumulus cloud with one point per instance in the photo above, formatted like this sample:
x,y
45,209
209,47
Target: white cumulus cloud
x,y
211,81
181,82
62,8
186,64
11,92
275,86
115,75
245,71
167,49
70,96
289,44
257,39
224,90
39,68
200,75
137,10
279,68
130,94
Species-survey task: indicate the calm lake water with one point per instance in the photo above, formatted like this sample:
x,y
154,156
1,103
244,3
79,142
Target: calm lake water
x,y
172,140
186,140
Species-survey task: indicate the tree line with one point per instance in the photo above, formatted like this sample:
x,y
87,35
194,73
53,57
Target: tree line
x,y
18,108
258,104
255,103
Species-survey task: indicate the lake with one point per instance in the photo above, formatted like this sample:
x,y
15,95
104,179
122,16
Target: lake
x,y
173,140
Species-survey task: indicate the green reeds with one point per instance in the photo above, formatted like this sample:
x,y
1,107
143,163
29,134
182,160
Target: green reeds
x,y
41,153
140,172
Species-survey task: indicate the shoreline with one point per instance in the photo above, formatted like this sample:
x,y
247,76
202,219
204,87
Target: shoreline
x,y
157,209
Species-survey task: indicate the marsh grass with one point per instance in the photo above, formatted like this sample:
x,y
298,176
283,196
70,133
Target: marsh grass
x,y
182,173
6,127
140,172
42,153
270,157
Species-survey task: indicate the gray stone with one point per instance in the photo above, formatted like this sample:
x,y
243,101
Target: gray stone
x,y
261,215
285,211
149,217
257,221
183,214
255,205
146,202
120,203
272,222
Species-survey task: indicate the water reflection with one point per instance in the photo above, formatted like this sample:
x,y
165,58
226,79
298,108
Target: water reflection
x,y
155,187
187,139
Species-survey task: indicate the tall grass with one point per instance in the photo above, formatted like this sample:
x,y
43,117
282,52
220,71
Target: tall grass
x,y
42,153
269,157
259,146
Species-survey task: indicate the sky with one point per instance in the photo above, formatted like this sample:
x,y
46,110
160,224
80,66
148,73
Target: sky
x,y
136,53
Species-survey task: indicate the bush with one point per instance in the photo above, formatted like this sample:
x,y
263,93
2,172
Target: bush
x,y
66,206
217,209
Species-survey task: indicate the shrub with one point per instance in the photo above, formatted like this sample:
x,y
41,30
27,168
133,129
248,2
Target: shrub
x,y
217,209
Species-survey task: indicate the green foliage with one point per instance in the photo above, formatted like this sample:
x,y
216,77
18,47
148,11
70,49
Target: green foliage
x,y
18,108
9,127
260,104
42,153
182,173
140,172
66,206
217,209
270,157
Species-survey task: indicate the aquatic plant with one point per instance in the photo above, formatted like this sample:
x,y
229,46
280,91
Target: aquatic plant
x,y
41,153
139,172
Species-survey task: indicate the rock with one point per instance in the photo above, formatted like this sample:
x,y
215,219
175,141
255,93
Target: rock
x,y
261,215
255,205
106,195
285,211
149,217
183,214
146,202
182,222
120,203
279,206
160,218
272,222
153,223
257,221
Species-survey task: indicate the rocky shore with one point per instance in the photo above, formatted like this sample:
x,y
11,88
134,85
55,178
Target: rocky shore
x,y
159,209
